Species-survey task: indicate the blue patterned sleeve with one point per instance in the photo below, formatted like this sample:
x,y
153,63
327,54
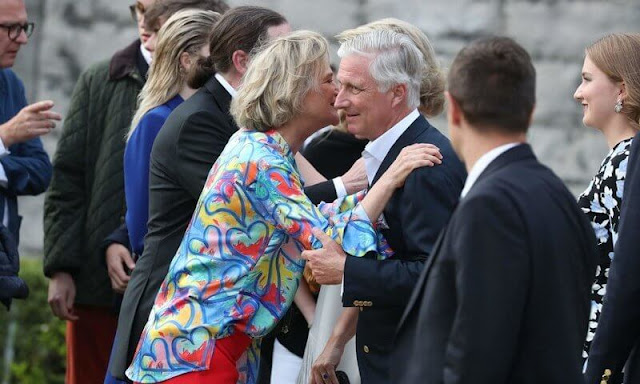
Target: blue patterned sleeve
x,y
279,196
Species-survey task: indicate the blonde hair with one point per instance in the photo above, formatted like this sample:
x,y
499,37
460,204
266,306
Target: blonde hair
x,y
618,56
185,31
277,80
432,82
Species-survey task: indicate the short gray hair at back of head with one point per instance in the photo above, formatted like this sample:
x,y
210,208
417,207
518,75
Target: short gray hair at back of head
x,y
396,60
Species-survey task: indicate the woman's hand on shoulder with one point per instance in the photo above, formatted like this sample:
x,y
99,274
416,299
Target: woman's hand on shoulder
x,y
412,157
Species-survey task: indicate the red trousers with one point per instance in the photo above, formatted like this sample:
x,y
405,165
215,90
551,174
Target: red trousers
x,y
89,340
223,363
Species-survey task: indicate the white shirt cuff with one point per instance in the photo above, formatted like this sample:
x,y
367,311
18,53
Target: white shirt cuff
x,y
3,150
4,182
341,191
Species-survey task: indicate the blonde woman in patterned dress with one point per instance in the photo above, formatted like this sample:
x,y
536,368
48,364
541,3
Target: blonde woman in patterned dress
x,y
610,98
238,266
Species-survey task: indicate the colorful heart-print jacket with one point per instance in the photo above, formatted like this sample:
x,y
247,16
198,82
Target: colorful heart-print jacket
x,y
238,267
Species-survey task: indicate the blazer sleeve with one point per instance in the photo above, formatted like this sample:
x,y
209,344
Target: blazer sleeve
x,y
428,198
65,204
619,325
278,195
320,192
27,167
488,273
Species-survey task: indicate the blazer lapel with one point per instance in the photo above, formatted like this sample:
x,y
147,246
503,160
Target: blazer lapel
x,y
407,138
518,153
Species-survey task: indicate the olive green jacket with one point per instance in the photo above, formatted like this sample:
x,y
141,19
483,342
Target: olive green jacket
x,y
85,201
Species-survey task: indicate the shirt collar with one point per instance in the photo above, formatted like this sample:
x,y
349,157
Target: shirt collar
x,y
482,164
226,85
380,147
376,150
145,54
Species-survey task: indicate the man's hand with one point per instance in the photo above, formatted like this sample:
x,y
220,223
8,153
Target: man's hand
x,y
323,370
355,179
326,263
32,121
62,293
117,256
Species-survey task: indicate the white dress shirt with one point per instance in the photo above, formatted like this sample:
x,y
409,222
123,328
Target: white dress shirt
x,y
375,152
482,164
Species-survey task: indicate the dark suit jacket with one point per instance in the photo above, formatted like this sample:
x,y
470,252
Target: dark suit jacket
x,y
505,296
618,334
415,215
186,147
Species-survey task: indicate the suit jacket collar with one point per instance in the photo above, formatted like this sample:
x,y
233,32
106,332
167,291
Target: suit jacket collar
x,y
407,138
221,96
518,153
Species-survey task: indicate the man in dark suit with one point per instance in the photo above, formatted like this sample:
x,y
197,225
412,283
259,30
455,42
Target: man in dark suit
x,y
505,296
617,339
384,110
188,144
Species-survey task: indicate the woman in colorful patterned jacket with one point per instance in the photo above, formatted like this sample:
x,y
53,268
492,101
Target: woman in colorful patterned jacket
x,y
610,98
238,267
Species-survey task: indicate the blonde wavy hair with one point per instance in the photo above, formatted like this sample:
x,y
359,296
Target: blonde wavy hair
x,y
185,31
618,56
433,80
278,78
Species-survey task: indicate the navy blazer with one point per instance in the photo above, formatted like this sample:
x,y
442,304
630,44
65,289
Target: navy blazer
x,y
27,166
415,215
617,337
505,296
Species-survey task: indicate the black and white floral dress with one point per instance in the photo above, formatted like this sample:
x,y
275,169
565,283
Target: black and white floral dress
x,y
601,203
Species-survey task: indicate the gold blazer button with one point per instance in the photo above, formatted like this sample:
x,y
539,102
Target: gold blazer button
x,y
366,349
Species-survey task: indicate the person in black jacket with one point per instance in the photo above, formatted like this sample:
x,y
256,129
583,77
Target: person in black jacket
x,y
504,297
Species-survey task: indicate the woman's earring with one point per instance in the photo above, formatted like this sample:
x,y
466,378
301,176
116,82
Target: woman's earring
x,y
618,106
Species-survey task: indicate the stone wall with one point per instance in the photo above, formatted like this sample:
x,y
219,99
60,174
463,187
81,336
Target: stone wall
x,y
70,35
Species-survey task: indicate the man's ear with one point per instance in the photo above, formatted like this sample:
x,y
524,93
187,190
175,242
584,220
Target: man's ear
x,y
399,94
454,112
240,61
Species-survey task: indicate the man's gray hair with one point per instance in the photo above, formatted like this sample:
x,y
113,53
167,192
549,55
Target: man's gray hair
x,y
396,60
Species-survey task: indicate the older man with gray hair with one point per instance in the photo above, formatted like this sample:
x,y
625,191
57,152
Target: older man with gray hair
x,y
380,75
